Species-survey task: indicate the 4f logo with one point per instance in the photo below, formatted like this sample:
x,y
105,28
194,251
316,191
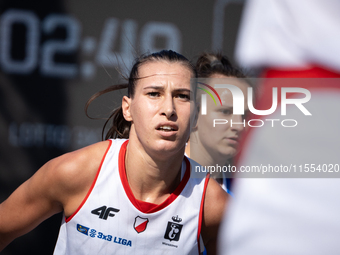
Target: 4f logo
x,y
105,212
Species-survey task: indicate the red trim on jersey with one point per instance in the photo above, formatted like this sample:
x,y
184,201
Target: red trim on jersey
x,y
92,186
200,218
309,78
143,206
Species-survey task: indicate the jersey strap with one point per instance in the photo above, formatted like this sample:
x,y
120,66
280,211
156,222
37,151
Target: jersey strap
x,y
92,186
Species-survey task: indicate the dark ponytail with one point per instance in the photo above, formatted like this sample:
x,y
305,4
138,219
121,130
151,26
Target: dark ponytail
x,y
120,127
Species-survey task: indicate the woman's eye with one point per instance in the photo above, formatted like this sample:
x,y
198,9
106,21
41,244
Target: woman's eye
x,y
153,94
183,96
226,111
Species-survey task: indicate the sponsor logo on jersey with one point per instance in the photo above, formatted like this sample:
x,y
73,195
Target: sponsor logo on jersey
x,y
104,212
173,229
92,233
140,224
82,229
122,241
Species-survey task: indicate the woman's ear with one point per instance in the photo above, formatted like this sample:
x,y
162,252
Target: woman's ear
x,y
194,124
126,108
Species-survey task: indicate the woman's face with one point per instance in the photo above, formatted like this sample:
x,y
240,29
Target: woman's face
x,y
222,141
160,110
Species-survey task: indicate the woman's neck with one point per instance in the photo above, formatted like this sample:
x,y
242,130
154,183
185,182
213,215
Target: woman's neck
x,y
197,151
152,178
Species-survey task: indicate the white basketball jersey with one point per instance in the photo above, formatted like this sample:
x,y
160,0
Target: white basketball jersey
x,y
111,220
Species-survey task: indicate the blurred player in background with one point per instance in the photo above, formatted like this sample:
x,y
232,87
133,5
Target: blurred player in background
x,y
208,145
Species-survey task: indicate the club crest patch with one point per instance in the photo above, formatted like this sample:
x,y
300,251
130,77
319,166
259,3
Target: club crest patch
x,y
140,224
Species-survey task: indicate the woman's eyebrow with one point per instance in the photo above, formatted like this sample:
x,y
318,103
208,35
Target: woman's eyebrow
x,y
155,87
184,90
162,88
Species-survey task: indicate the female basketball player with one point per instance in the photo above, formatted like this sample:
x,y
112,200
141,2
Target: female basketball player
x,y
130,196
216,145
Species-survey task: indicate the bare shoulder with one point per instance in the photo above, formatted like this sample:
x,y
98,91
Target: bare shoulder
x,y
73,174
75,166
215,203
59,185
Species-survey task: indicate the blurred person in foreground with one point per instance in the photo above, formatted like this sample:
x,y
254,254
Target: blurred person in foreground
x,y
296,44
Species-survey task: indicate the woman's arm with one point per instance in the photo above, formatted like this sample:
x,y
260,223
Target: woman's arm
x,y
215,203
60,185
